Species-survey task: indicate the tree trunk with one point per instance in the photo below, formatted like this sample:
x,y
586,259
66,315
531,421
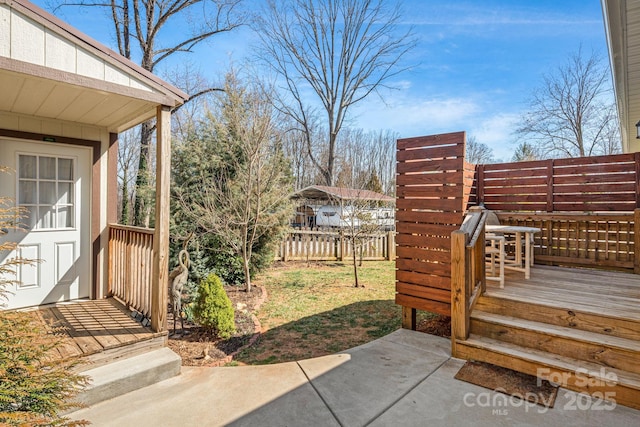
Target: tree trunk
x,y
355,263
247,274
142,199
124,215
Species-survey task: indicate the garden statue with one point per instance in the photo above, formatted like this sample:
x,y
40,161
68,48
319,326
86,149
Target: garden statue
x,y
178,278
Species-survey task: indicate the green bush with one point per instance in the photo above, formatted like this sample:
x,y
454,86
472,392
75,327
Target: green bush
x,y
35,388
213,309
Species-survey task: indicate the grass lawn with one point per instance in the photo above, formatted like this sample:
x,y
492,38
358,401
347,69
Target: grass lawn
x,y
314,310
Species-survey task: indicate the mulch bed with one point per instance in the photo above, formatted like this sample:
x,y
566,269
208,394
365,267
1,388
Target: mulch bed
x,y
438,325
198,347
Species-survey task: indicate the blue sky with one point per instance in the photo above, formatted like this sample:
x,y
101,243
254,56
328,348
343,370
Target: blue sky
x,y
474,67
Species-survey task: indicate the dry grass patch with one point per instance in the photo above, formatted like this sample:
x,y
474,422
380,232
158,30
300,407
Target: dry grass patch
x,y
314,310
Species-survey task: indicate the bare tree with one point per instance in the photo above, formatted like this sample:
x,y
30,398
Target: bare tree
x,y
330,55
185,118
139,27
246,197
361,153
571,114
477,152
128,154
360,225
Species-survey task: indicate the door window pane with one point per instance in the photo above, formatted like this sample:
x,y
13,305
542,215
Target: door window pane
x,y
27,166
47,214
28,217
47,168
65,193
65,169
65,218
27,194
46,191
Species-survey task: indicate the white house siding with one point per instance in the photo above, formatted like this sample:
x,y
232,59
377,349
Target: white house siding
x,y
60,128
24,39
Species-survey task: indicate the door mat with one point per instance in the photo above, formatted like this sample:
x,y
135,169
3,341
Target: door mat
x,y
509,382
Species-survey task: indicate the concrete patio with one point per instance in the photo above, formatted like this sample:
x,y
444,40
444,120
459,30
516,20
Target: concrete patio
x,y
403,379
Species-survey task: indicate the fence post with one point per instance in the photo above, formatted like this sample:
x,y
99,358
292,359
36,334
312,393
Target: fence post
x,y
636,241
391,245
550,189
480,185
284,245
459,300
409,318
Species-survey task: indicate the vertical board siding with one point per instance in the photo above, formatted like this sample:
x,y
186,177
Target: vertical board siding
x,y
25,39
431,199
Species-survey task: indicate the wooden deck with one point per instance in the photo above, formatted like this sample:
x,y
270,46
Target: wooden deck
x,y
601,292
97,330
565,322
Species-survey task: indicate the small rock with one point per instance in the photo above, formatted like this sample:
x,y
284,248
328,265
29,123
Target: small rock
x,y
205,353
241,306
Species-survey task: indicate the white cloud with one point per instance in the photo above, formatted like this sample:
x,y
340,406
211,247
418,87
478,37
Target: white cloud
x,y
497,132
414,117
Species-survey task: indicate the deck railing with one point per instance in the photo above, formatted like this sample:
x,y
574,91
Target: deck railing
x,y
131,266
600,240
468,280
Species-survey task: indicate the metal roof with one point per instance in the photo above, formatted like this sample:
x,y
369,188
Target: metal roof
x,y
322,192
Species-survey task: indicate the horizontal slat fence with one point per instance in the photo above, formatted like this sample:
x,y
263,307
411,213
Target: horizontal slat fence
x,y
332,245
584,184
591,240
131,266
429,207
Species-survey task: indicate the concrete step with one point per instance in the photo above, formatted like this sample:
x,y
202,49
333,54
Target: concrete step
x,y
132,373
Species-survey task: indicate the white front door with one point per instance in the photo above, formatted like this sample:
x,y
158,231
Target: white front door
x,y
52,184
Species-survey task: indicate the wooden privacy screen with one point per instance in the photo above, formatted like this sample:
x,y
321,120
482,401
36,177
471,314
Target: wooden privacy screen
x,y
429,207
583,184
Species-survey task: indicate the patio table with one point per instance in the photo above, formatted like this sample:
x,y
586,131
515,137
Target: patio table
x,y
519,231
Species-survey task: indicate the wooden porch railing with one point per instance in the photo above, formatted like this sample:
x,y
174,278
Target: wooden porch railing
x,y
131,266
468,280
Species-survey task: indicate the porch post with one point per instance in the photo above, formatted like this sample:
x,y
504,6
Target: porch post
x,y
159,285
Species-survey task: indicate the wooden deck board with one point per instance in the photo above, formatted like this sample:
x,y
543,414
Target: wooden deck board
x,y
90,327
579,289
67,348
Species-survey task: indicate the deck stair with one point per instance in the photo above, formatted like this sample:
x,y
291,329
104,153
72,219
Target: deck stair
x,y
594,351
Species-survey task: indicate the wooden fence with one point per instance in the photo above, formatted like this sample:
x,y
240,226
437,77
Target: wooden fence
x,y
584,207
584,184
587,208
131,266
431,199
334,245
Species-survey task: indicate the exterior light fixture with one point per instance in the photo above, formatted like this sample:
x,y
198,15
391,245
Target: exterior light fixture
x,y
638,130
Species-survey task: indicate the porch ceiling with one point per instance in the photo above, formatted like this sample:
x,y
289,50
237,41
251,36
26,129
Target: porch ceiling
x,y
51,99
622,26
